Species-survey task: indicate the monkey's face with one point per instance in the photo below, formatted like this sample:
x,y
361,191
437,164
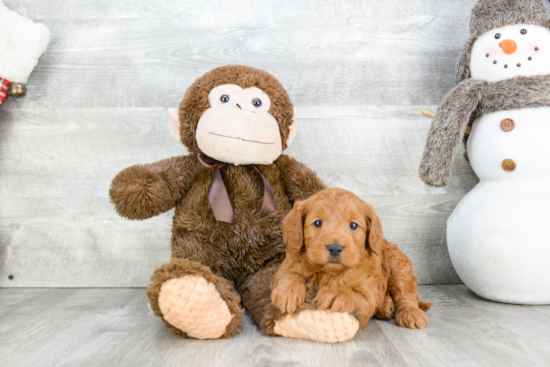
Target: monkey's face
x,y
236,114
238,128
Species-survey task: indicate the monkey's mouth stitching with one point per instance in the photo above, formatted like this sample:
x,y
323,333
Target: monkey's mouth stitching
x,y
238,138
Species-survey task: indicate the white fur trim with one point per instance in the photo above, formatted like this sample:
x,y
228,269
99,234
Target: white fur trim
x,y
21,43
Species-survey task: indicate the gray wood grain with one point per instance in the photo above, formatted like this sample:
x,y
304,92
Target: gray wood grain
x,y
358,72
232,12
98,327
57,227
145,54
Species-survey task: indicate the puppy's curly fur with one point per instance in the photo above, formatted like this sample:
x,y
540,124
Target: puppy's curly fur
x,y
370,277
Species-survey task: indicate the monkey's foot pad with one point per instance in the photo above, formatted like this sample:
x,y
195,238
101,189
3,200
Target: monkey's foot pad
x,y
194,305
318,325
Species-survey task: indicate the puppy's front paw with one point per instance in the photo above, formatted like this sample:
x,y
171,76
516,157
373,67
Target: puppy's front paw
x,y
289,298
343,302
386,309
411,317
324,297
334,299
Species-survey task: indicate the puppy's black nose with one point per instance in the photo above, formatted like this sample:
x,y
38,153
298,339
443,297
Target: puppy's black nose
x,y
335,249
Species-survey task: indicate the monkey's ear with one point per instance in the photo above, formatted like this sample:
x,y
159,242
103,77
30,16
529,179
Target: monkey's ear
x,y
174,123
293,130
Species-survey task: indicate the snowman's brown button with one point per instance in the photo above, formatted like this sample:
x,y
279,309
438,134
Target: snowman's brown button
x,y
507,125
509,165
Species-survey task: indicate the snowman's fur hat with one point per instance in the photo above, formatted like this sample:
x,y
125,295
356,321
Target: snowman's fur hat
x,y
491,14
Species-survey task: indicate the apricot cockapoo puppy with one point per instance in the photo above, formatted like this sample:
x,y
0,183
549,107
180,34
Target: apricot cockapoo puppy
x,y
338,260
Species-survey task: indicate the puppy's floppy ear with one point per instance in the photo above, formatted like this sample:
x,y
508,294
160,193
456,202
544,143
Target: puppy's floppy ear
x,y
375,236
293,227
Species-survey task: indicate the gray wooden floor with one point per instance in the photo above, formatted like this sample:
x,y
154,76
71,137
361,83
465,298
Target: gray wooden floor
x,y
114,327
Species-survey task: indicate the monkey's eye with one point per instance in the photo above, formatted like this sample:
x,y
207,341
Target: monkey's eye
x,y
224,98
353,226
318,223
256,102
497,36
523,31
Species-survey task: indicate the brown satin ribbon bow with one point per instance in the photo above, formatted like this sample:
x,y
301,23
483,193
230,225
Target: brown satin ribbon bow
x,y
217,193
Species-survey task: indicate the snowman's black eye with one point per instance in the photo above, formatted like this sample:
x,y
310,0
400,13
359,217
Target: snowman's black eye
x,y
256,102
224,98
353,226
497,36
318,223
523,31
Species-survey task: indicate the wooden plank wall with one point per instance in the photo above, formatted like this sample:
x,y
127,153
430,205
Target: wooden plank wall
x,y
358,71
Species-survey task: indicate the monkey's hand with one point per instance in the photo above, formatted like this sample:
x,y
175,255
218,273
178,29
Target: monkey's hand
x,y
143,191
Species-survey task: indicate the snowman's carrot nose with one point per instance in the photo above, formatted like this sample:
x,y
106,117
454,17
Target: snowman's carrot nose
x,y
508,46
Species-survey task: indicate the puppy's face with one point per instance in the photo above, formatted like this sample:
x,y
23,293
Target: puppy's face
x,y
335,232
335,229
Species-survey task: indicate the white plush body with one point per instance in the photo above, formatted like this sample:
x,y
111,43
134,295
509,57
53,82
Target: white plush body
x,y
499,234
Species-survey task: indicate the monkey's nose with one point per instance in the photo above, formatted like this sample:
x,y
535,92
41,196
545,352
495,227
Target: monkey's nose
x,y
335,249
508,46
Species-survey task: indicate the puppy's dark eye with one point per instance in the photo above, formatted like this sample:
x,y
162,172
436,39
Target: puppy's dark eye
x,y
523,31
256,102
224,98
318,223
497,36
353,226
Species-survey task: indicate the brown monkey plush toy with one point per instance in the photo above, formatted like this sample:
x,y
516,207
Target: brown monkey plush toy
x,y
231,195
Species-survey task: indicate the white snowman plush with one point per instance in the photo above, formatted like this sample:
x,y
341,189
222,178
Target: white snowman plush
x,y
499,234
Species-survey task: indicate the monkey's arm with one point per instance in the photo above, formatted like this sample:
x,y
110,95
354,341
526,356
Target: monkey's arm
x,y
145,190
300,181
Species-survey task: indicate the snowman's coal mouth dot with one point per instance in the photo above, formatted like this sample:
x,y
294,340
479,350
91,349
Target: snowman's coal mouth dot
x,y
487,55
506,66
495,62
536,48
519,65
529,58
